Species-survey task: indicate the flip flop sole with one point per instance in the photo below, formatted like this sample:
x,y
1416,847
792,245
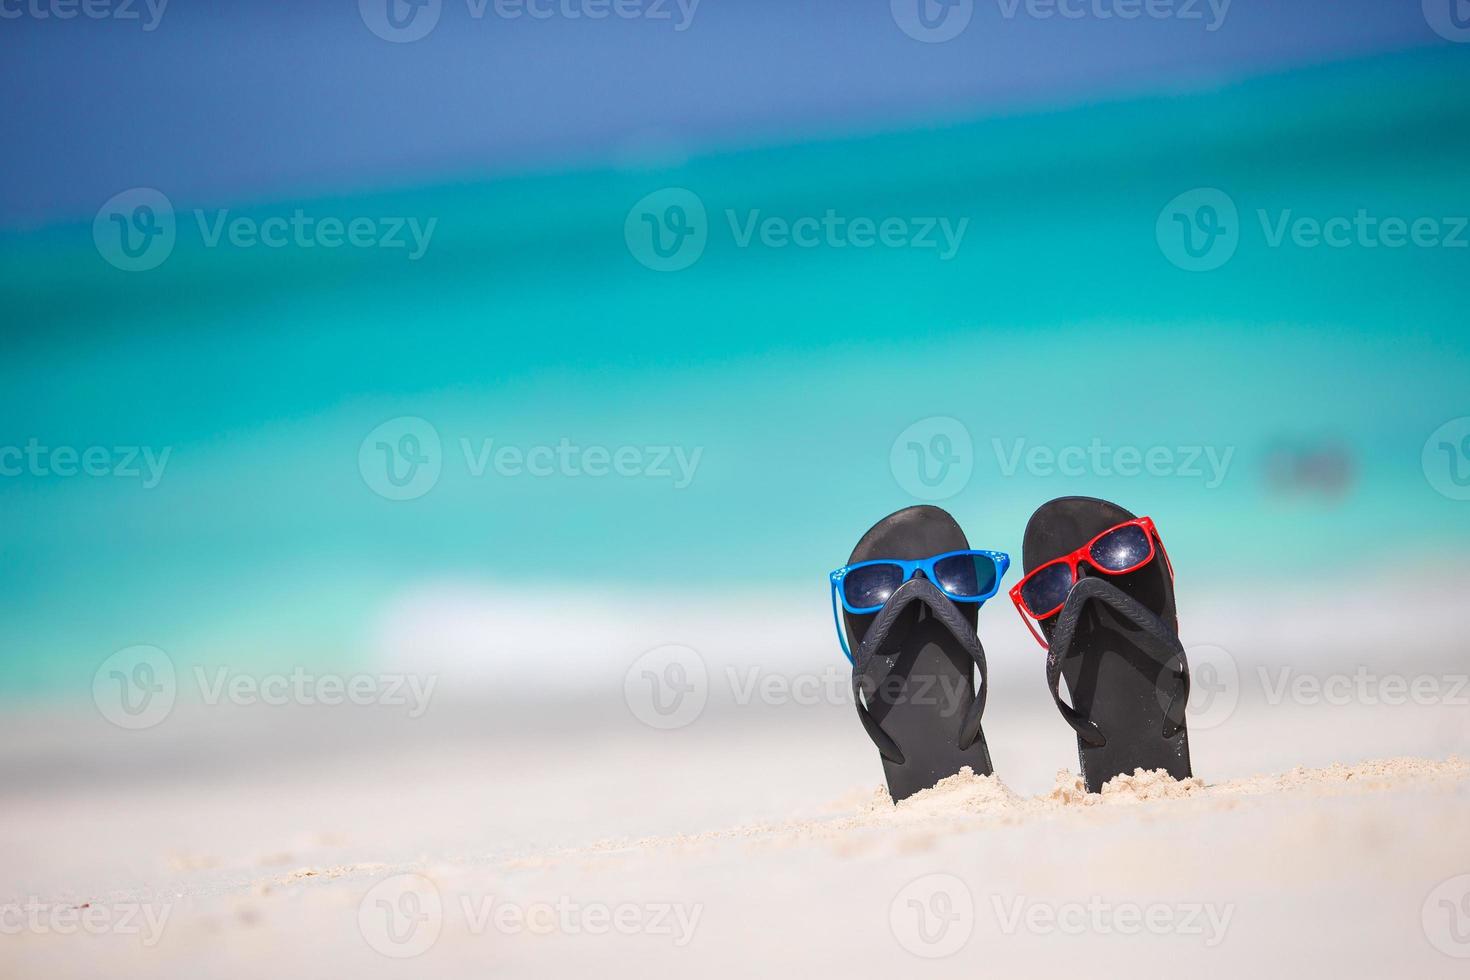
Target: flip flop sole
x,y
922,702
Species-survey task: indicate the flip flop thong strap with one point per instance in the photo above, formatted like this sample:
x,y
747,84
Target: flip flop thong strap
x,y
1156,639
869,671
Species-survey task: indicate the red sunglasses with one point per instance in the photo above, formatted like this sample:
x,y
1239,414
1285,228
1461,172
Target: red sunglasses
x,y
1120,549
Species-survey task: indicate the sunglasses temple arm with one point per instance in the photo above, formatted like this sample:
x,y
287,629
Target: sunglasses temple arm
x,y
1035,628
1033,625
1165,552
837,621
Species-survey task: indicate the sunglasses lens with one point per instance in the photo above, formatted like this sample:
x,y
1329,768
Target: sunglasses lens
x,y
1047,589
871,585
1120,549
965,576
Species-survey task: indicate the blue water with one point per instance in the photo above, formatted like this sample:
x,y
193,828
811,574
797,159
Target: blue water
x,y
528,320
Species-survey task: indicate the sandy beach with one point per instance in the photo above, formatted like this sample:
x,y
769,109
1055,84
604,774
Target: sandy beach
x,y
506,840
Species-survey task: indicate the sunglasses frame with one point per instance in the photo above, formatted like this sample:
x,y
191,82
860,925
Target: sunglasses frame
x,y
1000,559
1083,555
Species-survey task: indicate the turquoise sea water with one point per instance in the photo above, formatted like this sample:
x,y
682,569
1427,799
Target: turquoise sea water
x,y
1060,321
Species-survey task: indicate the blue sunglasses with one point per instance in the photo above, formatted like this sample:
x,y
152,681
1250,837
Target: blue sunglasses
x,y
964,576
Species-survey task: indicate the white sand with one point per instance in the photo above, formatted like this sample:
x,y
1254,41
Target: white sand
x,y
533,825
750,843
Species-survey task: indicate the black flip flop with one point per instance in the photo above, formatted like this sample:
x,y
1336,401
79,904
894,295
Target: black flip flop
x,y
914,661
1116,642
